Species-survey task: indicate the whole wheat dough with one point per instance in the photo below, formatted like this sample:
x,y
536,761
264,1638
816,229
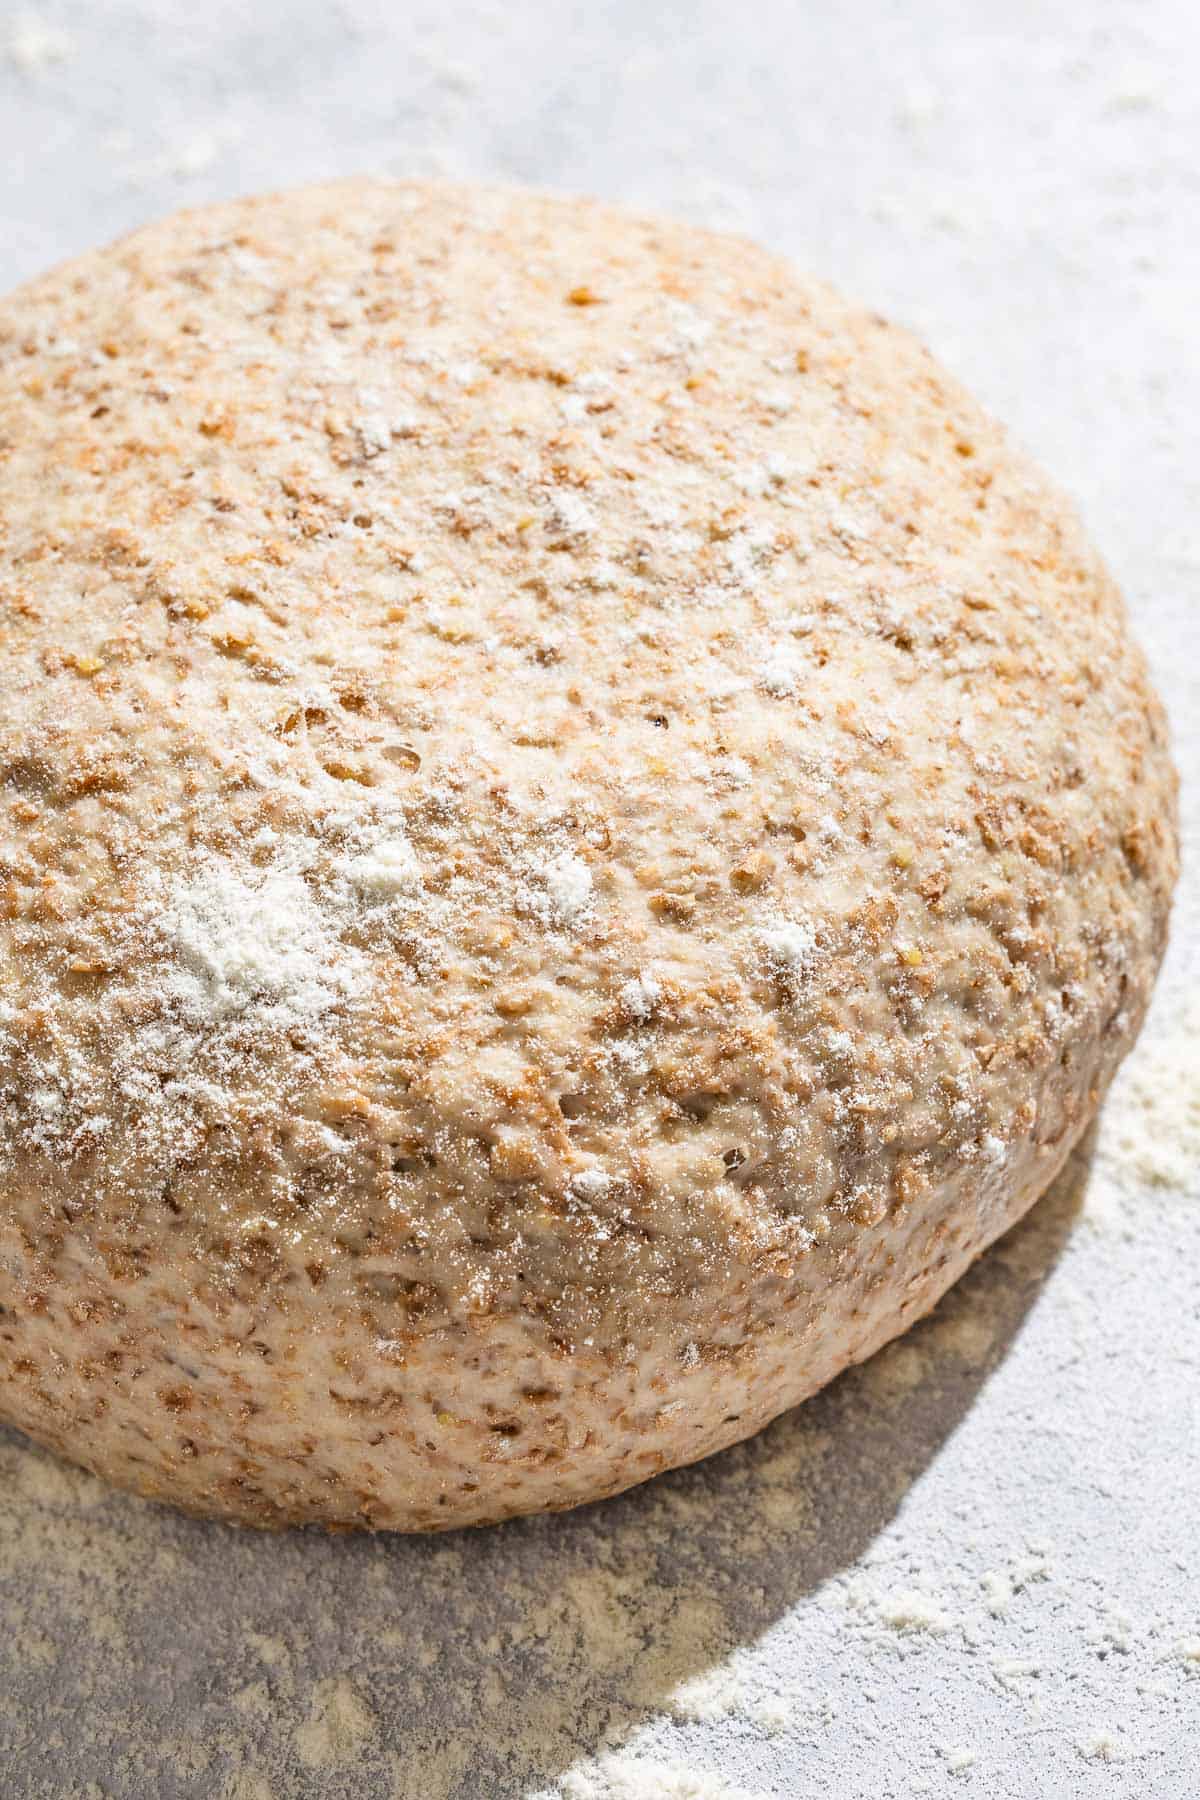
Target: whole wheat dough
x,y
579,835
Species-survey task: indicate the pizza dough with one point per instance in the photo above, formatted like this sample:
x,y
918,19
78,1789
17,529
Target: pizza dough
x,y
578,834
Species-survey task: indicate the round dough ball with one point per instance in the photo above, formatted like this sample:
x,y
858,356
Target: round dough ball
x,y
579,834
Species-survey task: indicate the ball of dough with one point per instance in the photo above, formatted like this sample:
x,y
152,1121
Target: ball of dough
x,y
578,833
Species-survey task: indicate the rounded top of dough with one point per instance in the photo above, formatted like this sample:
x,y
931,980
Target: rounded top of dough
x,y
566,802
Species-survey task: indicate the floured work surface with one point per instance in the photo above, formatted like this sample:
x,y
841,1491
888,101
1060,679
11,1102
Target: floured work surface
x,y
971,1563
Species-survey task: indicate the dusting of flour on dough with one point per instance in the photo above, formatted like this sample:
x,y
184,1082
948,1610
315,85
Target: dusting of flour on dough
x,y
789,947
640,995
561,895
386,869
248,938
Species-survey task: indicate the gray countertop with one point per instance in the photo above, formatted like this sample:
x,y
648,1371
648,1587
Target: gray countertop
x,y
974,1564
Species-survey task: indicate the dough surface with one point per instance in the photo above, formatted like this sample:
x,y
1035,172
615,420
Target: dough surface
x,y
578,834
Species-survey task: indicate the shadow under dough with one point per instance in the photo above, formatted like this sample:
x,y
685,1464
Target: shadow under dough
x,y
707,1559
477,1665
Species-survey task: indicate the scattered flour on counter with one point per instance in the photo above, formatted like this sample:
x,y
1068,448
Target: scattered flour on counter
x,y
629,1777
245,1784
1150,1127
998,1592
34,44
1011,1671
898,1369
196,155
337,1727
186,159
1103,1745
962,1333
715,1694
910,1610
771,1714
566,1659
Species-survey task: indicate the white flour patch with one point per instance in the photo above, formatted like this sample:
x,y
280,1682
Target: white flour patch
x,y
911,1610
591,1184
570,520
1150,1127
631,1777
337,1728
1103,1745
561,891
640,996
385,870
779,672
34,44
246,938
789,948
